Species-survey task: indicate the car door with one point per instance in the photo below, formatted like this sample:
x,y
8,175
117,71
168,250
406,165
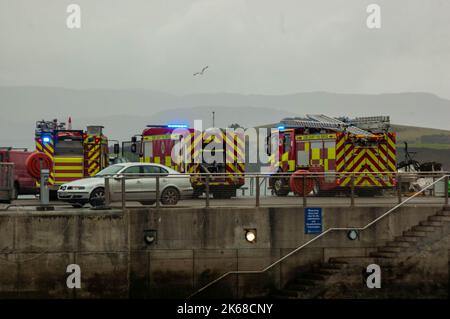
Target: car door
x,y
133,183
149,180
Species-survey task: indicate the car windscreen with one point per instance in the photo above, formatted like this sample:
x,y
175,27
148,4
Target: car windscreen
x,y
110,170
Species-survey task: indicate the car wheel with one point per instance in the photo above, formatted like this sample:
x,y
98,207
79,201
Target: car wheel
x,y
278,187
97,197
170,196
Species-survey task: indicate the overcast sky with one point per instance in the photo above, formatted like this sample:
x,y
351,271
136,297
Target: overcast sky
x,y
251,46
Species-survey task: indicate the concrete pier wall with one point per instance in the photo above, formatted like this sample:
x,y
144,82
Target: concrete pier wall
x,y
193,247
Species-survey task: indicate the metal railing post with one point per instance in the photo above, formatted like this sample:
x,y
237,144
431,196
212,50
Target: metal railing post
x,y
352,189
207,190
107,193
257,191
446,189
399,189
122,188
158,204
304,190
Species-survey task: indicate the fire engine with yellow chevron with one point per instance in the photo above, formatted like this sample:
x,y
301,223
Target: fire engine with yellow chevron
x,y
332,150
226,174
68,154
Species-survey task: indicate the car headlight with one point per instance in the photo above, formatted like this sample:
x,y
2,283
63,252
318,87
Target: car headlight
x,y
76,188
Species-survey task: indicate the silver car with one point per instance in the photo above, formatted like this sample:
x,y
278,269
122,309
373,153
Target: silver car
x,y
140,185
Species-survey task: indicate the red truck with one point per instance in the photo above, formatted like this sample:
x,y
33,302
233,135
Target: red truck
x,y
24,184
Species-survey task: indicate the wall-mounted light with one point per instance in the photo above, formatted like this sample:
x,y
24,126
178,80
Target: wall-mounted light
x,y
150,236
353,234
250,235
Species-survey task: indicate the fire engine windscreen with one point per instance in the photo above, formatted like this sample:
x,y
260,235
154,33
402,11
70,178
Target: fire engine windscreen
x,y
69,145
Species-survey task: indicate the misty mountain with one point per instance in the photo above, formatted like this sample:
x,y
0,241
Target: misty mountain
x,y
125,112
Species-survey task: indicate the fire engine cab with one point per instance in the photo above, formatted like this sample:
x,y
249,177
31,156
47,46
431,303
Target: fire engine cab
x,y
226,174
332,148
69,154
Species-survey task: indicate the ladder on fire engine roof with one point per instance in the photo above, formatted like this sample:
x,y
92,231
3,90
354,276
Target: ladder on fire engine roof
x,y
326,122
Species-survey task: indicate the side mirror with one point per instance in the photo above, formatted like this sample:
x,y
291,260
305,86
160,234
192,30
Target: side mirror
x,y
116,149
133,148
134,139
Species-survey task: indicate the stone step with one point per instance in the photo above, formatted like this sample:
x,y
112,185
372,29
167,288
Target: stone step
x,y
301,284
331,266
380,254
413,233
438,218
328,271
315,276
352,260
410,239
401,244
389,249
427,229
284,293
431,223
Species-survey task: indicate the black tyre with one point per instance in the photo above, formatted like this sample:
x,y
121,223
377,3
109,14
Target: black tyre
x,y
53,195
15,193
170,196
197,193
279,188
97,197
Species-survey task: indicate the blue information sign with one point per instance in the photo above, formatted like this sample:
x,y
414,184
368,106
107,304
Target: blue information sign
x,y
313,220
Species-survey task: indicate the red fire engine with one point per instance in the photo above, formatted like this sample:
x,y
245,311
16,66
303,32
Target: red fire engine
x,y
69,154
157,142
321,144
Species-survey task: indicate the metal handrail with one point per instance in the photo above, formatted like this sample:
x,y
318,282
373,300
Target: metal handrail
x,y
240,272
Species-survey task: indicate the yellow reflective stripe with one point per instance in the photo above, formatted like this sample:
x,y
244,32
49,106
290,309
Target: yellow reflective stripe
x,y
331,154
168,161
315,153
68,159
68,168
68,174
291,164
157,160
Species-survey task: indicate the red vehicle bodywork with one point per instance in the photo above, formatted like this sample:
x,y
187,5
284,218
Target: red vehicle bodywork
x,y
23,182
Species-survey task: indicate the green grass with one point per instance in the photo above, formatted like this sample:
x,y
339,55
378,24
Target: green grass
x,y
429,146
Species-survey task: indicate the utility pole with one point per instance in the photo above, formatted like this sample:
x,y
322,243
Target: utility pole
x,y
213,114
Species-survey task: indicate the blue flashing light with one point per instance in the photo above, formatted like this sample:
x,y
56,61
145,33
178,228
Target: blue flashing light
x,y
46,139
177,126
281,127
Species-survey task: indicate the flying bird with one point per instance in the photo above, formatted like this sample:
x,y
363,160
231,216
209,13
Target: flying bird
x,y
201,72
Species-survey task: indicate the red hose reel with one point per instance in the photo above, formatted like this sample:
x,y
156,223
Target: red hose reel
x,y
33,164
301,182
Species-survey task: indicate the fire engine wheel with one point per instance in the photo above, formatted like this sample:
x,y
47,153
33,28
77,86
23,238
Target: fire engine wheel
x,y
170,196
197,193
223,193
279,189
97,197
